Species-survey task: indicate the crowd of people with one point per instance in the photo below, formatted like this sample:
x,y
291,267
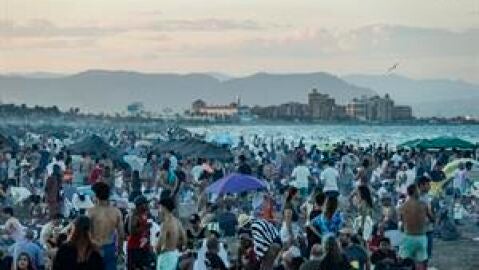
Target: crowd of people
x,y
346,207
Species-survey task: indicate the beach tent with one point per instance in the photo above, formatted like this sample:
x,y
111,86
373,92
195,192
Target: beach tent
x,y
194,148
236,183
439,142
94,144
8,144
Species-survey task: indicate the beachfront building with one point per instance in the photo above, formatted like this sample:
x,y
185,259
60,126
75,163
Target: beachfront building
x,y
402,113
357,108
286,111
200,108
377,109
321,106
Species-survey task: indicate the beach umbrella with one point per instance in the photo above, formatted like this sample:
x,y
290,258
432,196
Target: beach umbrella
x,y
452,166
236,183
223,139
136,163
194,148
8,144
94,144
450,169
439,142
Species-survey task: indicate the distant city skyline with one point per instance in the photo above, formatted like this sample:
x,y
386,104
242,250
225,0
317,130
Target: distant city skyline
x,y
428,38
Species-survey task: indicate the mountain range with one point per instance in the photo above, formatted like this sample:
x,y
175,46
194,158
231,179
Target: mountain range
x,y
112,91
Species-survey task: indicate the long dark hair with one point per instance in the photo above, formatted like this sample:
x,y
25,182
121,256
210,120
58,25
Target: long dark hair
x,y
30,262
292,191
365,195
331,250
330,207
80,238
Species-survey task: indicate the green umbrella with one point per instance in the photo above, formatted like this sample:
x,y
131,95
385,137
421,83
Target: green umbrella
x,y
439,142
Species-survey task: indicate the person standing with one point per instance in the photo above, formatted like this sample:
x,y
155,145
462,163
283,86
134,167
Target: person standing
x,y
459,182
172,237
302,176
79,253
138,244
424,184
52,191
107,226
243,166
329,179
413,214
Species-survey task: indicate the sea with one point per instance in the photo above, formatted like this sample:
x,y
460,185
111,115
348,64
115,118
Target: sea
x,y
329,134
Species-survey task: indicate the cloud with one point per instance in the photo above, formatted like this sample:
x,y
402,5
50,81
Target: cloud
x,y
45,28
369,41
206,25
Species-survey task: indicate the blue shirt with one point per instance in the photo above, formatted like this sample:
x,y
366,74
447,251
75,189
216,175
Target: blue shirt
x,y
327,226
33,250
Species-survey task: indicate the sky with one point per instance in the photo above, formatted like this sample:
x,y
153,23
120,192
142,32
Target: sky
x,y
428,38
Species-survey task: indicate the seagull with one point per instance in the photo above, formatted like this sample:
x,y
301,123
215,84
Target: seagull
x,y
395,66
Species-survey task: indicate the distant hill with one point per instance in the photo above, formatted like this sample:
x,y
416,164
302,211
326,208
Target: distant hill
x,y
112,91
437,97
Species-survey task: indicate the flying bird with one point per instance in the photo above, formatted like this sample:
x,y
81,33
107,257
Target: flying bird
x,y
395,66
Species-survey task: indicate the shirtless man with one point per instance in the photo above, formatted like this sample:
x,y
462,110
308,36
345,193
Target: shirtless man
x,y
414,219
107,226
172,237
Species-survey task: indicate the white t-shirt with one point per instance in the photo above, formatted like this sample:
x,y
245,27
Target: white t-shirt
x,y
301,175
329,177
396,159
411,177
15,228
196,171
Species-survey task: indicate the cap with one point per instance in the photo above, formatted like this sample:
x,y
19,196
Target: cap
x,y
243,219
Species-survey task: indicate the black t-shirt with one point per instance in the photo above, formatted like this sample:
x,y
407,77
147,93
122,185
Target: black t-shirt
x,y
66,258
357,253
228,222
244,169
311,236
213,261
328,263
380,255
193,237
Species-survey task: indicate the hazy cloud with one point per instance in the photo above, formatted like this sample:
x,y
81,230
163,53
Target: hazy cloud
x,y
45,28
373,40
206,25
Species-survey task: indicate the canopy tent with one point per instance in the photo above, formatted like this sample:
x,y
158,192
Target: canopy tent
x,y
194,148
236,183
94,144
439,142
8,144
